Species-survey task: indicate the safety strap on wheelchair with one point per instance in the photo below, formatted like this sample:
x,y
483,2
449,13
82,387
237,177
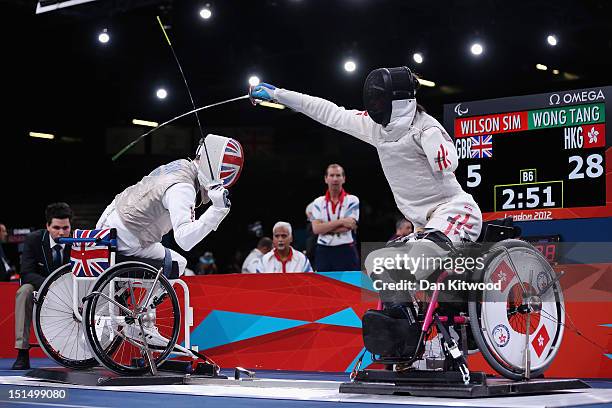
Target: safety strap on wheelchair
x,y
167,271
437,237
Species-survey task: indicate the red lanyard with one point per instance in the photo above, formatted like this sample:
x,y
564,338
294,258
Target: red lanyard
x,y
284,263
328,201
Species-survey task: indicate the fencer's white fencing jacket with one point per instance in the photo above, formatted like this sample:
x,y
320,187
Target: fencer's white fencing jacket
x,y
162,201
417,155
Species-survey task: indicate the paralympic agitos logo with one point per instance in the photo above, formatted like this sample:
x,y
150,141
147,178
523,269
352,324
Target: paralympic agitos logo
x,y
459,111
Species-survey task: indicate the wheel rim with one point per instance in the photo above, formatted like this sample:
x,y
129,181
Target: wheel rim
x,y
504,327
161,325
58,329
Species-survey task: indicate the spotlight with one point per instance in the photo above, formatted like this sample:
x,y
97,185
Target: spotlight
x,y
426,82
555,71
476,49
104,37
205,13
141,122
254,80
552,40
541,67
161,93
349,66
417,57
41,135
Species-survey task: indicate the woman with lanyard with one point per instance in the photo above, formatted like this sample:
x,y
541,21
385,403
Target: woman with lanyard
x,y
335,216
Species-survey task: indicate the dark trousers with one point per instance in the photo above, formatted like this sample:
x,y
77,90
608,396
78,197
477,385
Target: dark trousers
x,y
337,258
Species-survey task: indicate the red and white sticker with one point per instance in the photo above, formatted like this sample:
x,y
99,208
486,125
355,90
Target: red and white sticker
x,y
540,340
504,274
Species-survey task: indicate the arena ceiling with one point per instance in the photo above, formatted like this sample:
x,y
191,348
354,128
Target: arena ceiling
x,y
62,77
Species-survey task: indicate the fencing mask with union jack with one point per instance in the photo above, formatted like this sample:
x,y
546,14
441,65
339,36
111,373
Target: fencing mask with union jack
x,y
225,159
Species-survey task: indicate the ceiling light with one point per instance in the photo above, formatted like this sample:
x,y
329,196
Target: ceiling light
x,y
104,37
417,57
161,93
541,67
254,80
552,40
205,13
425,82
144,123
476,49
349,66
42,135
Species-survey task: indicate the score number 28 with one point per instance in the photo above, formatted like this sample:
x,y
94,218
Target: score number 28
x,y
594,169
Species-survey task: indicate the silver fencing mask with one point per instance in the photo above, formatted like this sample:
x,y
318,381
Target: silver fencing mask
x,y
384,85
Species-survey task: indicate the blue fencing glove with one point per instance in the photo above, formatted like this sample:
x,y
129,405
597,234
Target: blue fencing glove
x,y
263,92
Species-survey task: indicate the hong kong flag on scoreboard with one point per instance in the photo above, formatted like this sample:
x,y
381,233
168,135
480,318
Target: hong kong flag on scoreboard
x,y
504,274
594,135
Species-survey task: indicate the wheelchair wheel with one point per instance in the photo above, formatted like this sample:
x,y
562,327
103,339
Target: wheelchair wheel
x,y
498,318
129,285
58,330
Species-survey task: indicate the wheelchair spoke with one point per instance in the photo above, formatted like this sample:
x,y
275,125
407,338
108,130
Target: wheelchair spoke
x,y
69,337
515,270
61,299
64,312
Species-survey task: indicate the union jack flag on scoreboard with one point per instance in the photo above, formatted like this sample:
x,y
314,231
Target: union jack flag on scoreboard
x,y
231,165
481,147
87,258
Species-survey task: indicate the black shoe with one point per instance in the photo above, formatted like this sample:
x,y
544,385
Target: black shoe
x,y
23,361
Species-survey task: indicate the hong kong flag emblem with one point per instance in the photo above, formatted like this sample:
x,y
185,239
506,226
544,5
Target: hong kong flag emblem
x,y
594,135
540,340
504,274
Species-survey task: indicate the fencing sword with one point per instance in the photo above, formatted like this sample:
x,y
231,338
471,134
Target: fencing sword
x,y
193,111
182,115
188,93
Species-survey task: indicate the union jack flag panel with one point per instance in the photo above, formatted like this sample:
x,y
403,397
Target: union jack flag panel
x,y
87,258
482,147
231,165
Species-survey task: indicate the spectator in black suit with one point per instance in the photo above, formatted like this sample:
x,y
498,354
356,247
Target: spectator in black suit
x,y
41,256
6,268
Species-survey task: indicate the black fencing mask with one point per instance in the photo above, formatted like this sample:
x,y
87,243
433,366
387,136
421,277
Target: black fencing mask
x,y
384,85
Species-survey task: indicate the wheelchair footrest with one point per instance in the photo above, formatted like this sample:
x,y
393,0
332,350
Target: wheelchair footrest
x,y
187,367
450,384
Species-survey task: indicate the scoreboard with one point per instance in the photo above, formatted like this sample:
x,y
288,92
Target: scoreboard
x,y
535,157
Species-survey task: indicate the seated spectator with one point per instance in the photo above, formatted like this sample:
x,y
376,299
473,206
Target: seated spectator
x,y
283,258
41,256
403,228
6,268
254,258
206,264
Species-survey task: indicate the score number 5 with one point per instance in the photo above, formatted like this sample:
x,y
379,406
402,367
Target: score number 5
x,y
473,176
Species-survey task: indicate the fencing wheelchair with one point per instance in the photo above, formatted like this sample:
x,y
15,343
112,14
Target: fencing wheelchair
x,y
518,327
120,312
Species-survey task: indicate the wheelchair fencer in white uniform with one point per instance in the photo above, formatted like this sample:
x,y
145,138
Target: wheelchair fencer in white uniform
x,y
418,158
130,320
